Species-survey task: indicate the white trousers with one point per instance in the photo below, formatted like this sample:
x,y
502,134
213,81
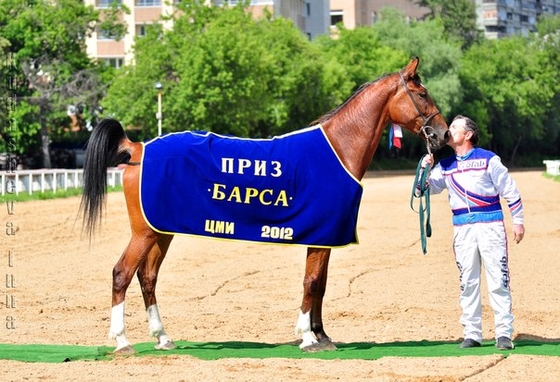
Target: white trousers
x,y
483,245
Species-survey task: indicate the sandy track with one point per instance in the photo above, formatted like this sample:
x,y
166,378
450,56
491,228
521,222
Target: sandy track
x,y
381,290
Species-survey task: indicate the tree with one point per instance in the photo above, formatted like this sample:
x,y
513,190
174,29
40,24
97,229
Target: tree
x,y
439,62
6,61
211,69
362,53
303,82
509,88
222,71
439,58
547,38
47,42
458,18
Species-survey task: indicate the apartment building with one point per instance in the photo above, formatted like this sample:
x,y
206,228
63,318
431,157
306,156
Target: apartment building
x,y
353,13
501,18
497,18
310,16
116,53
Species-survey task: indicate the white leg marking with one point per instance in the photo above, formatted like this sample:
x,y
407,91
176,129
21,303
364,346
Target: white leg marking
x,y
117,326
303,328
156,327
154,321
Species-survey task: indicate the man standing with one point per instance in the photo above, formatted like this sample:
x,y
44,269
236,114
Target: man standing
x,y
475,180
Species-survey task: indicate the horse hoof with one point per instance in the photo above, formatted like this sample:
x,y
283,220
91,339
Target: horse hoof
x,y
127,350
324,345
169,345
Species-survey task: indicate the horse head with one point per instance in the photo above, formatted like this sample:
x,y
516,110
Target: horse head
x,y
413,108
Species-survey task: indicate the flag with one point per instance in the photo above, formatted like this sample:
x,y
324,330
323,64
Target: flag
x,y
395,136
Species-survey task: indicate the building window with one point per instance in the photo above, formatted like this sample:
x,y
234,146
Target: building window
x,y
140,30
336,17
221,3
113,62
107,3
104,35
147,3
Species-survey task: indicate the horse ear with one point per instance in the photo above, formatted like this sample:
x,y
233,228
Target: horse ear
x,y
410,70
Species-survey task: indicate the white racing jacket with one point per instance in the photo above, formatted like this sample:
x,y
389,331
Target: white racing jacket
x,y
475,183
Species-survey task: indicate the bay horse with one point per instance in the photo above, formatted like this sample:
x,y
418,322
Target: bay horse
x,y
353,130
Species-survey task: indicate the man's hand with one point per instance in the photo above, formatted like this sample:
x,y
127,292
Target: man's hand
x,y
428,159
518,232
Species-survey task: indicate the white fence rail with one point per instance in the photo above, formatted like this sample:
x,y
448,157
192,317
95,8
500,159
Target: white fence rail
x,y
552,167
30,181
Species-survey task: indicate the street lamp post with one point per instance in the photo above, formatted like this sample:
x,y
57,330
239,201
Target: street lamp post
x,y
159,116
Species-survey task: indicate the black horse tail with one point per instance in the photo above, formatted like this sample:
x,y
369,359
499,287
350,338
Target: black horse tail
x,y
108,146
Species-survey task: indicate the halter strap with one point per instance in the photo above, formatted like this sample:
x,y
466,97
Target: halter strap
x,y
425,126
426,119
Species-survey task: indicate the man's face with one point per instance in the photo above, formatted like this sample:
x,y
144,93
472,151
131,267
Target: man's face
x,y
458,133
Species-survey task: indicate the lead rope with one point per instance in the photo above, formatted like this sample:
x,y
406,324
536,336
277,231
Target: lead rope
x,y
421,190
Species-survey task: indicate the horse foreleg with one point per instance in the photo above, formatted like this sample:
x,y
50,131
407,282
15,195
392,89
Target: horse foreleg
x,y
147,276
310,321
124,270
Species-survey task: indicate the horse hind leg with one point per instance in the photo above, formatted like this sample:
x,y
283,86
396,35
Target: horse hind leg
x,y
134,254
147,276
310,322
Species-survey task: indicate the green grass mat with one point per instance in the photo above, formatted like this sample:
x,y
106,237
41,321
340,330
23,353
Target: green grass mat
x,y
217,350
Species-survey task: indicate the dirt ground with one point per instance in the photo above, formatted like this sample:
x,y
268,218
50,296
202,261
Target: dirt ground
x,y
382,290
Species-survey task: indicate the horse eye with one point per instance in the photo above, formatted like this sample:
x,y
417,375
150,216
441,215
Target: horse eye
x,y
423,95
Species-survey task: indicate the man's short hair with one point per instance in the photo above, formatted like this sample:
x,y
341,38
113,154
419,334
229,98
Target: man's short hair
x,y
470,125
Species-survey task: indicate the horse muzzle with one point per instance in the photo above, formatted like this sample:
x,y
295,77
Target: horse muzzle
x,y
436,137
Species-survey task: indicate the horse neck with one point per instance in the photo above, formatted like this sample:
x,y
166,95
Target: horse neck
x,y
355,130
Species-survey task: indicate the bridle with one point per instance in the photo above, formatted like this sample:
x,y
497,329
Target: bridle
x,y
427,130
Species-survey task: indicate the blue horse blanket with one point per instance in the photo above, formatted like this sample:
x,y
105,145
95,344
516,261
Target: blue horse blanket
x,y
290,189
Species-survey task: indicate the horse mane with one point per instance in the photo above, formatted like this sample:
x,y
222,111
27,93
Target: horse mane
x,y
325,117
